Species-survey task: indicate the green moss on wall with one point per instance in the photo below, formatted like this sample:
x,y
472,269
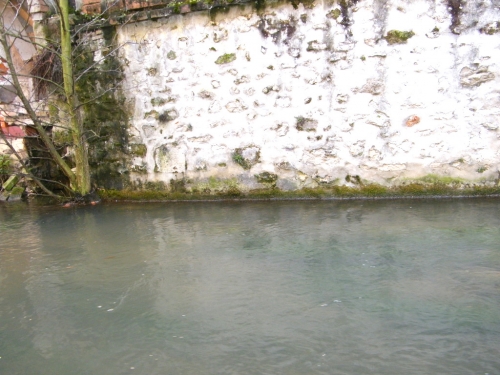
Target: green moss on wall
x,y
138,149
217,186
305,124
178,186
245,162
267,178
156,102
436,179
371,191
171,55
214,188
491,28
398,37
225,58
153,113
333,14
103,109
240,160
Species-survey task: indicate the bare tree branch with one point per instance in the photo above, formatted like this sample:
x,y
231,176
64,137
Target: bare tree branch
x,y
26,168
27,105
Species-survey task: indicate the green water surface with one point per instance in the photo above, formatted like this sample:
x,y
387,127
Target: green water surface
x,y
352,287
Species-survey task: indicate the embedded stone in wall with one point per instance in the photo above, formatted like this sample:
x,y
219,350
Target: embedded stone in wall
x,y
412,120
491,28
400,146
342,98
294,51
247,156
161,157
201,139
200,165
321,26
283,101
318,78
242,79
379,119
306,124
322,153
267,178
168,115
433,34
337,56
214,107
171,55
217,123
220,35
392,167
372,86
357,149
280,128
182,42
374,154
285,166
169,159
325,179
286,184
315,46
236,106
475,75
148,130
206,94
490,125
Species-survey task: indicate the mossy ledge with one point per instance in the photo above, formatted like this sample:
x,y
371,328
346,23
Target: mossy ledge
x,y
369,191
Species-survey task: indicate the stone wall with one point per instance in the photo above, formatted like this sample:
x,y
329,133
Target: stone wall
x,y
295,95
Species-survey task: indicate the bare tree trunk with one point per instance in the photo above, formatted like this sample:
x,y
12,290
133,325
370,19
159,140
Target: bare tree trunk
x,y
72,108
79,181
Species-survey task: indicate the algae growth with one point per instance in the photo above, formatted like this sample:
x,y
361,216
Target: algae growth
x,y
215,189
398,37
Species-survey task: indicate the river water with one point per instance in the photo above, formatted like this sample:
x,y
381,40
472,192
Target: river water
x,y
293,288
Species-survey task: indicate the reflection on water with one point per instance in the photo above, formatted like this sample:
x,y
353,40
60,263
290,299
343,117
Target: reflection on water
x,y
361,287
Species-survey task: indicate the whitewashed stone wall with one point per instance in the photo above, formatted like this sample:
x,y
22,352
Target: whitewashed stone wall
x,y
316,94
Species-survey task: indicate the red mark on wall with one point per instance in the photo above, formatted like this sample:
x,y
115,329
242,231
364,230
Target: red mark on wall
x,y
4,69
11,131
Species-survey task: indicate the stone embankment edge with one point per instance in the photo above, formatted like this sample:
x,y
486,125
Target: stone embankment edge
x,y
307,195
